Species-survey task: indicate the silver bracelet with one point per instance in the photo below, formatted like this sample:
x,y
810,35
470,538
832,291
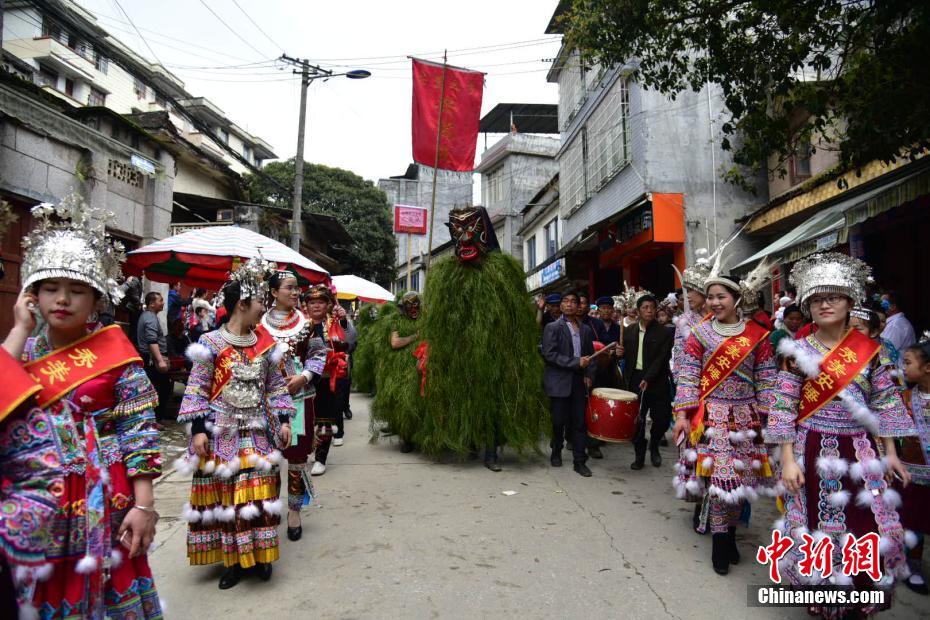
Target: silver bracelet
x,y
149,509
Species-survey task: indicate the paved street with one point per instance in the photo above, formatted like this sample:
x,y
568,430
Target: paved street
x,y
397,535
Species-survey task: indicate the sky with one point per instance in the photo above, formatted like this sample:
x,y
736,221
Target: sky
x,y
359,125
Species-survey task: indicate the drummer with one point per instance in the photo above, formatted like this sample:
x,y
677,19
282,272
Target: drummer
x,y
646,350
567,346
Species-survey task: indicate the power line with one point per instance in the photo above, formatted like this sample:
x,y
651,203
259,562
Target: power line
x,y
228,27
123,11
248,17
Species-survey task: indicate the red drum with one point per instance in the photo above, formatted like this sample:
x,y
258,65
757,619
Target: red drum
x,y
612,415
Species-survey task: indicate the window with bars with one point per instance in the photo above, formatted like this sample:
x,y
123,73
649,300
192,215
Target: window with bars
x,y
101,62
492,187
138,87
608,142
572,89
572,174
48,77
96,98
552,237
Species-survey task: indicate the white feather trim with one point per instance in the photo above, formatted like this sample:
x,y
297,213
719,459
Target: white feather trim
x,y
208,516
737,437
756,464
21,574
44,572
864,498
228,514
751,494
840,498
739,465
276,457
751,434
779,525
680,492
799,532
249,512
116,558
277,353
197,352
873,466
184,465
820,535
855,471
275,507
691,455
187,428
707,462
264,465
209,426
841,580
886,545
710,431
86,565
190,514
222,471
252,460
28,611
891,498
693,487
209,467
910,539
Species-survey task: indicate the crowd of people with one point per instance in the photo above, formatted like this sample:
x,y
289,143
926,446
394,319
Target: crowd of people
x,y
822,405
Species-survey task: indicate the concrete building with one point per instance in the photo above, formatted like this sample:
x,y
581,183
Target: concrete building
x,y
542,240
515,167
415,188
639,177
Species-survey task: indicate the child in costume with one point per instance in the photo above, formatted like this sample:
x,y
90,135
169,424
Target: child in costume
x,y
240,414
102,409
834,401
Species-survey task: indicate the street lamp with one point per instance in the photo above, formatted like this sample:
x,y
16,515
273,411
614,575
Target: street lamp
x,y
308,73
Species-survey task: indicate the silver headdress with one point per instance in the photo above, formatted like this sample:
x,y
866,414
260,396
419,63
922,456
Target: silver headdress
x,y
70,241
628,299
693,277
861,312
829,273
252,277
750,286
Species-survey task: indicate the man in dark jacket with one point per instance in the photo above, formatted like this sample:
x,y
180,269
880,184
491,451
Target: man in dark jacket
x,y
647,348
567,346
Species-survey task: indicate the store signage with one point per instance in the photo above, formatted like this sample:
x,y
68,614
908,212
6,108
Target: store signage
x,y
409,219
551,273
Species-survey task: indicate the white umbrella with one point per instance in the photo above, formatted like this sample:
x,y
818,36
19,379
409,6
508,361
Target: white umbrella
x,y
350,287
203,256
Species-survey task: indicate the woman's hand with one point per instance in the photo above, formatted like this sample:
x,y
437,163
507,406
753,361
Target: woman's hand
x,y
682,425
296,383
23,317
200,443
137,531
895,466
791,475
285,435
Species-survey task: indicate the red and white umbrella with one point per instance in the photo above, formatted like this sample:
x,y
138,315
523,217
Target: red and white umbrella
x,y
203,257
354,287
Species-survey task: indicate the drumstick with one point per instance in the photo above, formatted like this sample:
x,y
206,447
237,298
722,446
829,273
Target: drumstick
x,y
607,348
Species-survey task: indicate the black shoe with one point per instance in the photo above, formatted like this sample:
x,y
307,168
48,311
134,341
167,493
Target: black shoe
x,y
918,588
294,533
720,554
640,460
348,414
582,470
696,519
406,446
264,571
656,458
556,459
595,452
230,577
731,539
492,465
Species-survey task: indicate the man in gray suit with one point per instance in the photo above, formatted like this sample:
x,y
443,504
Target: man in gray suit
x,y
567,346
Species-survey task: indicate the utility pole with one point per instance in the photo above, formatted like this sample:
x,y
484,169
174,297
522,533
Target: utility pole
x,y
307,73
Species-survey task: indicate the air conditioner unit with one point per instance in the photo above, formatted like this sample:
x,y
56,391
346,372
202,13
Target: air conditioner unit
x,y
224,215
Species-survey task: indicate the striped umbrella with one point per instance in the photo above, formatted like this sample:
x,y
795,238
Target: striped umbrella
x,y
354,287
203,257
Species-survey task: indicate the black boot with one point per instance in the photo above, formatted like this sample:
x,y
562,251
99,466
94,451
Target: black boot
x,y
640,459
731,539
555,459
696,519
720,555
264,571
655,458
230,577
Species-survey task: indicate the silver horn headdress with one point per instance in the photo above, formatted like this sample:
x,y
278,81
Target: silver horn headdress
x,y
829,273
70,241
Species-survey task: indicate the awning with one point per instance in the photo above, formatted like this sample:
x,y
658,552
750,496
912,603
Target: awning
x,y
830,227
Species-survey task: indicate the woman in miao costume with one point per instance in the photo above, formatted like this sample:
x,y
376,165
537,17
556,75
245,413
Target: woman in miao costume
x,y
240,414
724,391
833,402
102,409
301,365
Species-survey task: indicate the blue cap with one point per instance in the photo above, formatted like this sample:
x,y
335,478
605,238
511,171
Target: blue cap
x,y
554,298
604,300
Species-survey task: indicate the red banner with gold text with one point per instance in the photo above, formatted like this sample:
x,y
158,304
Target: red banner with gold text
x,y
461,111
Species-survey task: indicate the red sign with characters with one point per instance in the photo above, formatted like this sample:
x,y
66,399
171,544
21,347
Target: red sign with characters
x,y
410,219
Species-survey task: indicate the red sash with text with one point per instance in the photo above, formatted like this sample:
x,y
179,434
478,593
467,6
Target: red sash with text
x,y
63,370
837,370
18,386
725,359
226,359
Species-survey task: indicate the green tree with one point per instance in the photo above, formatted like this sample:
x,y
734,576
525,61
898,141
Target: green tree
x,y
359,206
859,69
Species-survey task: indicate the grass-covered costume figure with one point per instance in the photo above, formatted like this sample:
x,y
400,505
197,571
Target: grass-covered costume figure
x,y
394,338
364,357
483,371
